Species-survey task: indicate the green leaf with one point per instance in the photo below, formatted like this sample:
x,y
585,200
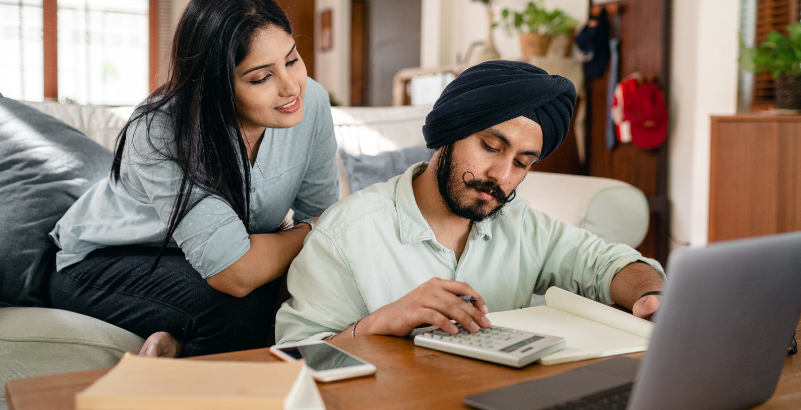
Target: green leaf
x,y
779,54
534,18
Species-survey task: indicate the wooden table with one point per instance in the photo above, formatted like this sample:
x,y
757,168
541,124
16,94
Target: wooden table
x,y
408,377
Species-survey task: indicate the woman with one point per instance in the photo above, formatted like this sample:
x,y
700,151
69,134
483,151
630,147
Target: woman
x,y
177,239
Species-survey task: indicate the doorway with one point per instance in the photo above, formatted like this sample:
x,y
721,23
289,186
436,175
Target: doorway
x,y
301,14
385,38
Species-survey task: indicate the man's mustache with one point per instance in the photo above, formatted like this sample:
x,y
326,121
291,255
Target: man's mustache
x,y
489,186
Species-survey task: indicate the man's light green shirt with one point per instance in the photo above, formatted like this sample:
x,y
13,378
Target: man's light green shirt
x,y
374,247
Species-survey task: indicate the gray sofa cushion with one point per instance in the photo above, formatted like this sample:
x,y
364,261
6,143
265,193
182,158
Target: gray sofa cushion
x,y
45,165
366,170
37,342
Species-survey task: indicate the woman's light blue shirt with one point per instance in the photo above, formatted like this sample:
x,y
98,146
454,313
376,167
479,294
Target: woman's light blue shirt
x,y
295,169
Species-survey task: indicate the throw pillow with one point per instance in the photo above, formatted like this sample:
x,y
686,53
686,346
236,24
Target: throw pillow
x,y
366,170
45,165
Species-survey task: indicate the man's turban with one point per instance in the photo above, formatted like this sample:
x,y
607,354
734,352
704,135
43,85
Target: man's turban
x,y
490,93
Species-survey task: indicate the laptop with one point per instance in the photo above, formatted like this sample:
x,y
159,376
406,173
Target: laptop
x,y
721,336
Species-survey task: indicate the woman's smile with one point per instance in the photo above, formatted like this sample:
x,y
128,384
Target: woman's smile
x,y
289,108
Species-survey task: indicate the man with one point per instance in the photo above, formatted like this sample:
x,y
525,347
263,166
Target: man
x,y
398,254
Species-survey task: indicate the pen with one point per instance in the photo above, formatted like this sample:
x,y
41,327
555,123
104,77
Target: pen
x,y
468,299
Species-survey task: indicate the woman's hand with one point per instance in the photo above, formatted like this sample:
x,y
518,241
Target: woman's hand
x,y
435,302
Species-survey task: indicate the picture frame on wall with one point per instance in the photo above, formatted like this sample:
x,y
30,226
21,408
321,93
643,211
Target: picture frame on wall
x,y
326,30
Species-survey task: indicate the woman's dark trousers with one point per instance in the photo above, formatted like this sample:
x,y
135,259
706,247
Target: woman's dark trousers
x,y
110,285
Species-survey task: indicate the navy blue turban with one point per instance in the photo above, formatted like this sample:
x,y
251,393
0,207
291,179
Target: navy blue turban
x,y
490,93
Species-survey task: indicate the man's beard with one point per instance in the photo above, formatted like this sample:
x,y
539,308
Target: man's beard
x,y
453,190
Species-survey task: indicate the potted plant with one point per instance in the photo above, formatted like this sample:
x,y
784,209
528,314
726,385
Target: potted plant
x,y
780,54
537,26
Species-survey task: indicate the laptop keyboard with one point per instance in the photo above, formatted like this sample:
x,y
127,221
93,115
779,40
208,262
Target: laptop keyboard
x,y
613,399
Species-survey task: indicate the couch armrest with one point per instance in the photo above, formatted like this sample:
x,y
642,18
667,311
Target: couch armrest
x,y
40,341
614,210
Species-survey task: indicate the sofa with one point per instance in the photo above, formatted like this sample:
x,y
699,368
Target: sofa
x,y
37,341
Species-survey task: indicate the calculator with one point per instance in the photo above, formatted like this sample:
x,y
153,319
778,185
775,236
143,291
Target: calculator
x,y
496,344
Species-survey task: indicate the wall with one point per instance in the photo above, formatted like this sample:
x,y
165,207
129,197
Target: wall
x,y
178,7
450,26
169,14
703,83
394,36
332,68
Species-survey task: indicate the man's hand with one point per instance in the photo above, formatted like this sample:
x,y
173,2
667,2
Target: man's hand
x,y
632,282
646,307
435,302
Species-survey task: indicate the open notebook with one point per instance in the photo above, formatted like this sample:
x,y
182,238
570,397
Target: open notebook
x,y
174,384
591,329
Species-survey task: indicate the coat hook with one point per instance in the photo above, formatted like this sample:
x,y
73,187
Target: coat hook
x,y
612,8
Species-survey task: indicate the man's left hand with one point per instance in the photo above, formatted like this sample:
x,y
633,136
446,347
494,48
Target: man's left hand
x,y
646,307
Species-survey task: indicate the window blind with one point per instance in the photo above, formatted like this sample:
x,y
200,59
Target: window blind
x,y
771,15
21,40
103,51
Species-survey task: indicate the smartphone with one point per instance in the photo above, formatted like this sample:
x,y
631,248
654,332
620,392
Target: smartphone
x,y
326,361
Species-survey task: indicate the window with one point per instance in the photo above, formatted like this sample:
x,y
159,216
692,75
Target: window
x,y
83,51
771,15
103,51
22,45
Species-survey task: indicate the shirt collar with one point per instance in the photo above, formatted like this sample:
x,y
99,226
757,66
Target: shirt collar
x,y
413,226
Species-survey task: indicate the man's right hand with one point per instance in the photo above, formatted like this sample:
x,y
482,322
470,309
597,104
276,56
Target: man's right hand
x,y
435,302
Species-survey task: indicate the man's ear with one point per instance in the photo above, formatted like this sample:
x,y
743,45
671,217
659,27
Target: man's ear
x,y
436,152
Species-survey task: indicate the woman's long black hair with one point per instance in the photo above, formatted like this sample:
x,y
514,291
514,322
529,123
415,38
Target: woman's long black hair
x,y
212,38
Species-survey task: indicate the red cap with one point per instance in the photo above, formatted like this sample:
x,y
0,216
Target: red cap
x,y
646,110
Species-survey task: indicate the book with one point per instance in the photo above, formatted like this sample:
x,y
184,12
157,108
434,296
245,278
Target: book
x,y
174,384
591,329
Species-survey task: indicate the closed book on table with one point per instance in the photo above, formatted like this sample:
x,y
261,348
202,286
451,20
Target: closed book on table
x,y
591,329
174,384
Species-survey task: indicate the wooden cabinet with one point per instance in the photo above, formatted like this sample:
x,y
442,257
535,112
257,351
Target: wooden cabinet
x,y
755,176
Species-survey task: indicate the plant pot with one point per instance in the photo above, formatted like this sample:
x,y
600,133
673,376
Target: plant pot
x,y
533,44
788,92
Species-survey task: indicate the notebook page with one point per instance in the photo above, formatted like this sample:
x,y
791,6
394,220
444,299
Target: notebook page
x,y
584,338
598,312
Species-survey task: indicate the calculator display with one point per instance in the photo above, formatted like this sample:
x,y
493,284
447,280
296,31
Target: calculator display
x,y
520,344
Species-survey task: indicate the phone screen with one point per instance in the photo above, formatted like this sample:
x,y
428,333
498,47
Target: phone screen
x,y
322,356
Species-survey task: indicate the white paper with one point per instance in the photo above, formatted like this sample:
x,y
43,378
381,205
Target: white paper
x,y
593,330
304,394
598,312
